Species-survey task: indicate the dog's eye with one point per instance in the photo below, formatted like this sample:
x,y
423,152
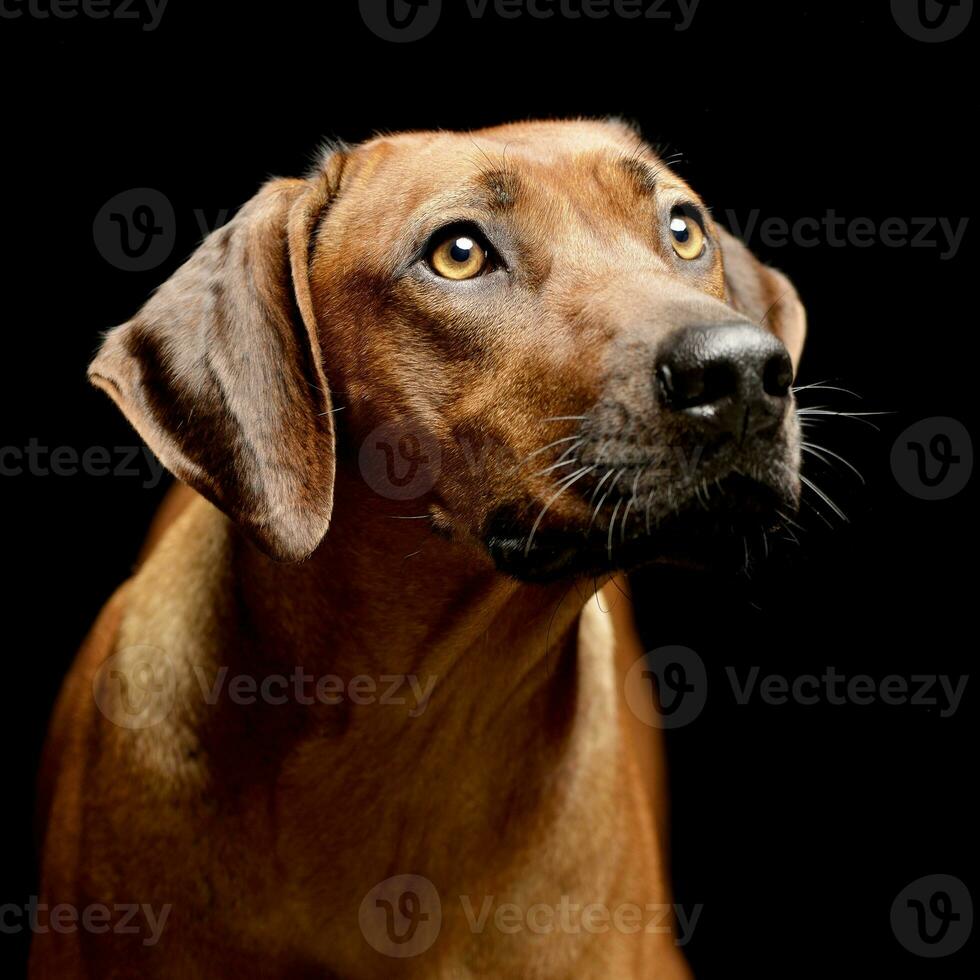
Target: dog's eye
x,y
686,236
459,256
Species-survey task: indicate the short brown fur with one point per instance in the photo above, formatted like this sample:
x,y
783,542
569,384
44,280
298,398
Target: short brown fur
x,y
526,778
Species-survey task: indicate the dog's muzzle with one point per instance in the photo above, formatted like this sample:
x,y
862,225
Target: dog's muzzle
x,y
692,446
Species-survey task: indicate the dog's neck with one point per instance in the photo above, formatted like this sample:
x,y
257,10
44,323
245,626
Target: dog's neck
x,y
385,597
512,738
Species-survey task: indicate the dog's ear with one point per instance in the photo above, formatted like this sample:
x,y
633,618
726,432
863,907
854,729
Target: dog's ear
x,y
763,294
221,373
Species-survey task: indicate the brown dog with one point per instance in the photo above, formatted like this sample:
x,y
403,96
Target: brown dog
x,y
359,712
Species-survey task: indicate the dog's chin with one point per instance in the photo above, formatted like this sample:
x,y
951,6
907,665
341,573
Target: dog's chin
x,y
701,532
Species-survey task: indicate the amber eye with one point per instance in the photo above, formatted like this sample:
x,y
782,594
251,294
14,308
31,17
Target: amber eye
x,y
686,236
459,257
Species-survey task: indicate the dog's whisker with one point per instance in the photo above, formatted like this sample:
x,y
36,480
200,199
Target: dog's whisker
x,y
814,450
556,466
605,496
633,497
612,527
701,493
638,477
567,483
816,510
775,303
602,449
595,492
822,410
551,622
790,536
544,449
805,447
626,514
646,509
820,386
788,525
598,601
856,416
809,483
570,449
789,520
567,418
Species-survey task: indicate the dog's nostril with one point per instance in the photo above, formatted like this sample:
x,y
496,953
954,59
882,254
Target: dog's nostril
x,y
696,384
777,375
672,388
720,380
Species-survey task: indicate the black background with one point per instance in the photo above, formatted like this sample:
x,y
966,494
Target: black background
x,y
795,826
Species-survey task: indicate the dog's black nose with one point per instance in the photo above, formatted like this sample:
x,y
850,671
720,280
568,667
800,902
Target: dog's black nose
x,y
732,378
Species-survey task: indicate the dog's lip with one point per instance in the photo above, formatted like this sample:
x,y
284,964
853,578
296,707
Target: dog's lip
x,y
731,502
691,535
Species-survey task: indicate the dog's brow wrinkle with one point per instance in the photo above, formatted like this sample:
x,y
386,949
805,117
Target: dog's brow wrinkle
x,y
644,176
501,186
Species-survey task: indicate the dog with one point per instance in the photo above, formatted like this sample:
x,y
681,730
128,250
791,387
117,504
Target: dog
x,y
427,406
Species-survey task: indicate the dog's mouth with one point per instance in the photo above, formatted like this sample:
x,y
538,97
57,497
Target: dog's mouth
x,y
703,524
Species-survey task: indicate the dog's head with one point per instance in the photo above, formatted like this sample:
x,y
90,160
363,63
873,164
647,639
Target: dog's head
x,y
535,333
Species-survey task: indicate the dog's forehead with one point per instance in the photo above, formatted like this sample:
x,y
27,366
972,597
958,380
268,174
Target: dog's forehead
x,y
409,169
532,142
